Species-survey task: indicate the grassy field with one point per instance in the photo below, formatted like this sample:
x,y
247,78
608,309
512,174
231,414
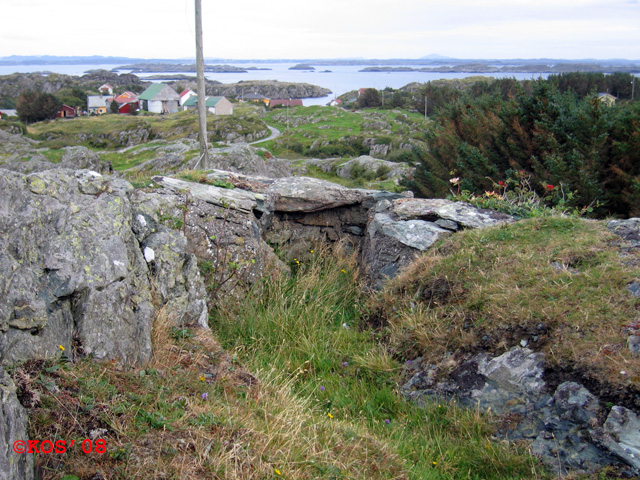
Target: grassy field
x,y
304,388
110,131
338,132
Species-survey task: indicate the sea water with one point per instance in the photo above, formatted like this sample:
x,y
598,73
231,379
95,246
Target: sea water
x,y
337,78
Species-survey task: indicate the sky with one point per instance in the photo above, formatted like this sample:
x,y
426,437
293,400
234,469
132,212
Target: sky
x,y
295,29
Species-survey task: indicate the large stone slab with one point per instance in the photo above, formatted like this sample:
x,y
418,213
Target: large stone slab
x,y
462,213
303,194
236,199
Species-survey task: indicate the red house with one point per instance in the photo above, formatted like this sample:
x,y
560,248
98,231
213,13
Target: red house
x,y
66,112
127,102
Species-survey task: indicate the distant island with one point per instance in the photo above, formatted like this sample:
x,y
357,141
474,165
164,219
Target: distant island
x,y
529,68
302,66
177,67
429,63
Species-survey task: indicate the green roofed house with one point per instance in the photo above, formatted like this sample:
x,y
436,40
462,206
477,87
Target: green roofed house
x,y
159,98
216,105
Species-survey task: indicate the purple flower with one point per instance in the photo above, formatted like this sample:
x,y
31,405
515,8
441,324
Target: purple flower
x,y
387,421
345,364
205,395
322,389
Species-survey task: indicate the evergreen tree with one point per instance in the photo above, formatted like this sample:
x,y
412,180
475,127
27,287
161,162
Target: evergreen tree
x,y
36,106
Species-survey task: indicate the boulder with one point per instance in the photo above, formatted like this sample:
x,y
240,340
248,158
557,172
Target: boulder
x,y
238,158
73,273
73,158
464,214
400,229
565,438
566,428
13,427
221,226
374,168
628,229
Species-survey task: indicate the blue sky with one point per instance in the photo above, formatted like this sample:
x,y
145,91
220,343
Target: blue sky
x,y
258,29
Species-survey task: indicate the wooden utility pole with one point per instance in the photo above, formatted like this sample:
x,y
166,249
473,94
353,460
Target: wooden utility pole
x,y
202,99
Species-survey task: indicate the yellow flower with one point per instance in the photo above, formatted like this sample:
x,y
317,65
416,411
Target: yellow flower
x,y
329,415
278,472
61,347
202,377
434,463
311,251
343,271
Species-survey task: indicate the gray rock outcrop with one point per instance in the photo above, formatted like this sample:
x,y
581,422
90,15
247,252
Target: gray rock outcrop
x,y
245,159
13,427
566,426
401,229
73,271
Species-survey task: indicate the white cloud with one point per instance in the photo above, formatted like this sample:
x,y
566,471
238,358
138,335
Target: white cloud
x,y
334,28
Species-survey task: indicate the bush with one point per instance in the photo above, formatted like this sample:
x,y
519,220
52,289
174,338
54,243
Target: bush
x,y
36,106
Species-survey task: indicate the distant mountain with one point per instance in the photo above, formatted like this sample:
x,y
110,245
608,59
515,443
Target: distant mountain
x,y
73,60
426,60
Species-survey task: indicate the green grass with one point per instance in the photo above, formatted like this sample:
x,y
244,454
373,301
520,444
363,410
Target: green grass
x,y
53,155
296,396
106,130
310,329
343,131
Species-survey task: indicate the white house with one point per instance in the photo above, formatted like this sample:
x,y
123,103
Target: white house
x,y
97,104
216,105
186,95
159,98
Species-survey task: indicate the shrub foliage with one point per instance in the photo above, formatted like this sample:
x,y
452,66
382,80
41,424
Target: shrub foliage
x,y
559,137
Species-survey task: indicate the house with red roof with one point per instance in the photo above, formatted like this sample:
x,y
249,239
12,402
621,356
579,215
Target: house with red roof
x,y
127,102
106,89
185,95
66,112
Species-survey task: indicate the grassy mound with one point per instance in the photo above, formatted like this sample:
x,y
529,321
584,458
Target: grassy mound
x,y
555,284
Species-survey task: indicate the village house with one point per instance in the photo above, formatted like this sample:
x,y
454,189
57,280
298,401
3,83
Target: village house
x,y
97,104
127,102
106,89
186,95
159,98
215,105
254,97
66,112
